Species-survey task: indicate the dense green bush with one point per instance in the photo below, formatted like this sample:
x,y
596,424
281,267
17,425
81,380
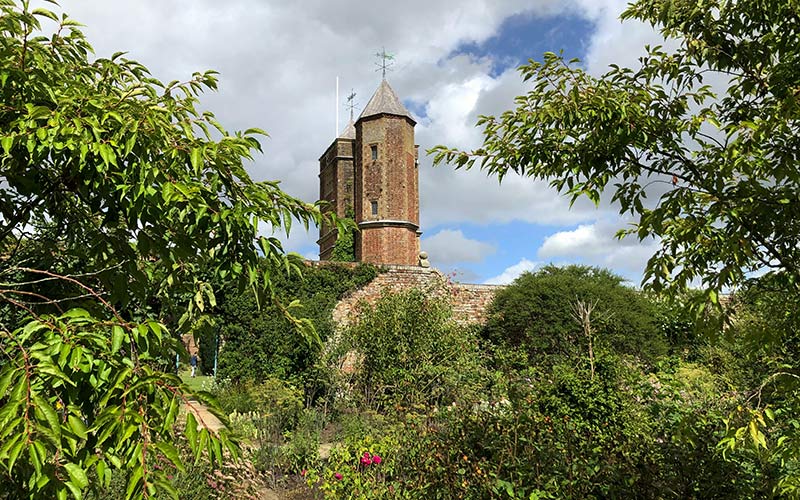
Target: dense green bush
x,y
259,342
412,352
559,433
534,317
767,326
767,317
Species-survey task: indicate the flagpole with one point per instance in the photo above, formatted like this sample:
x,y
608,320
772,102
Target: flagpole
x,y
336,132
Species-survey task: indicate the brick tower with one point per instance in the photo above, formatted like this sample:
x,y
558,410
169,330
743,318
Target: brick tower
x,y
385,182
336,185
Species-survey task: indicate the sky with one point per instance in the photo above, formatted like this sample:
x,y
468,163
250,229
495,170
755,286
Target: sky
x,y
454,60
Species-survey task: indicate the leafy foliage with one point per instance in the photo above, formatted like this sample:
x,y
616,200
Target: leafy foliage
x,y
344,250
714,177
710,172
766,323
259,341
119,196
271,416
534,317
412,352
556,433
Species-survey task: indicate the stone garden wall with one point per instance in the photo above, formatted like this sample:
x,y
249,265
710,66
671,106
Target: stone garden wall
x,y
470,302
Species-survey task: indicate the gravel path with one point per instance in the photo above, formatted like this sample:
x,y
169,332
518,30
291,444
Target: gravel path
x,y
204,417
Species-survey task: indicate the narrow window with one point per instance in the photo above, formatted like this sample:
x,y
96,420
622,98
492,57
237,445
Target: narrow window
x,y
374,150
374,208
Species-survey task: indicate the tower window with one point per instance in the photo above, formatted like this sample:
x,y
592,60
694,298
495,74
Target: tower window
x,y
374,207
374,150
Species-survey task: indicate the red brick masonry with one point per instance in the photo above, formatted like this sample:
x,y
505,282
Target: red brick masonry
x,y
470,302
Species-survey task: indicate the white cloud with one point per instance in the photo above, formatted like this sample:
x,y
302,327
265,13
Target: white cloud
x,y
596,244
584,239
615,41
513,272
278,64
450,246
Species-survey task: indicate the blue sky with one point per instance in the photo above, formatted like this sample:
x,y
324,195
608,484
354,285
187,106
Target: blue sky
x,y
519,38
455,60
527,36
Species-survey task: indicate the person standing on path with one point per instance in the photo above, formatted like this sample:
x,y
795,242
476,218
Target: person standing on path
x,y
193,362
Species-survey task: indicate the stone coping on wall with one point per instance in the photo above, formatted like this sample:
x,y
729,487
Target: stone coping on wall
x,y
470,302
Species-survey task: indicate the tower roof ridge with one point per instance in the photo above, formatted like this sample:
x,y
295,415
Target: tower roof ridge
x,y
349,131
385,101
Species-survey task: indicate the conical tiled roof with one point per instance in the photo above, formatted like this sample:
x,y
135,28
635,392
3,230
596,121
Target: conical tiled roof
x,y
385,101
349,131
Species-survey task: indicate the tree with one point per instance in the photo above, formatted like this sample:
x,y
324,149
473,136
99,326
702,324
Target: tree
x,y
120,202
258,341
535,316
713,176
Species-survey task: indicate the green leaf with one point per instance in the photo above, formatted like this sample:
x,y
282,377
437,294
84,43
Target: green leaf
x,y
78,427
73,488
15,450
7,142
134,481
77,475
198,300
45,13
50,416
196,158
117,337
171,453
75,313
8,371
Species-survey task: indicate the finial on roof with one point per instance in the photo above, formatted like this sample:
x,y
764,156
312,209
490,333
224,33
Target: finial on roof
x,y
386,61
351,104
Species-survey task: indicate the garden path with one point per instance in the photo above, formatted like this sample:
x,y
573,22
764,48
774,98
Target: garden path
x,y
204,417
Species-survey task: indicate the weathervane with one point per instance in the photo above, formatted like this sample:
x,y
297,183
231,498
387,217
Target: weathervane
x,y
385,61
351,104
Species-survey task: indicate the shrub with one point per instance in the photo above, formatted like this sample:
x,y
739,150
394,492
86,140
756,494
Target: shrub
x,y
560,433
260,343
533,317
413,353
358,469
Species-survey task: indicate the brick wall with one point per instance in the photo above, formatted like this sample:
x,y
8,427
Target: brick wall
x,y
378,245
469,302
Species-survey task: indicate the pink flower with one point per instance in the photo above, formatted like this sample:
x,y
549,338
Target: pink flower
x,y
303,472
376,459
338,476
366,461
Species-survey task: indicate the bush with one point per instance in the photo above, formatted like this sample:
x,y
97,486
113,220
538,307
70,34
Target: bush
x,y
559,433
260,343
412,352
533,317
270,416
358,469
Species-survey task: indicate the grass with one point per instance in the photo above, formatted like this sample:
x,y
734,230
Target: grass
x,y
198,383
